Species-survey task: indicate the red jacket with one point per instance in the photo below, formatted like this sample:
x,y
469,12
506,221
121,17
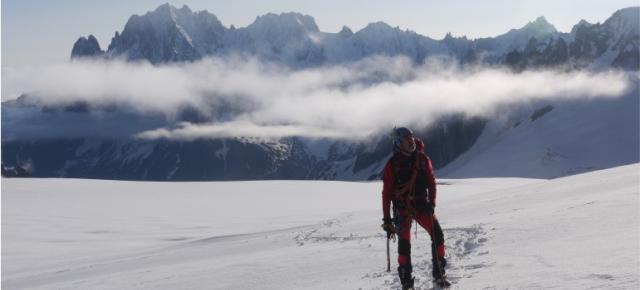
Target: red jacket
x,y
389,177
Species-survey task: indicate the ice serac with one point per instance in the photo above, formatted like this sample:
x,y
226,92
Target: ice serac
x,y
86,47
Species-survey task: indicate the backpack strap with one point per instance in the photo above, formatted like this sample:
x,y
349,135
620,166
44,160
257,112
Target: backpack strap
x,y
408,188
406,192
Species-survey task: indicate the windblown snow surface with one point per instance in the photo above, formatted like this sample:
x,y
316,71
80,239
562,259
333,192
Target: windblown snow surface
x,y
575,232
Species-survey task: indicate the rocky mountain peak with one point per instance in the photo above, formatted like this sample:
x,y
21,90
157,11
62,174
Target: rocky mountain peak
x,y
346,31
377,26
540,26
626,20
85,47
582,24
169,34
286,21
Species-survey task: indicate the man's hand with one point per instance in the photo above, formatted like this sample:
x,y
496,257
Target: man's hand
x,y
387,226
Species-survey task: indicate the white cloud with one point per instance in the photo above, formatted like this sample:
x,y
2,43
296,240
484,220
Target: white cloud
x,y
189,131
340,101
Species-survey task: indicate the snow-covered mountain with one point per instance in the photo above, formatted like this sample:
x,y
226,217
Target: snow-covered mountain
x,y
613,43
555,139
170,34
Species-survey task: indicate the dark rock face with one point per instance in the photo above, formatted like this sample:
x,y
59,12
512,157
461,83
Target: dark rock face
x,y
142,160
540,112
228,159
86,47
451,138
15,171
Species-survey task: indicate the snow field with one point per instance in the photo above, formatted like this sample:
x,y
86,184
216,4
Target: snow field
x,y
577,232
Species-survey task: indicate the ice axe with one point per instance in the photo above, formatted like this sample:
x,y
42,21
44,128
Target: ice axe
x,y
389,237
391,234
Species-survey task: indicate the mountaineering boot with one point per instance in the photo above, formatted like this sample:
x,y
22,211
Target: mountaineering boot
x,y
408,286
442,283
439,275
404,271
438,268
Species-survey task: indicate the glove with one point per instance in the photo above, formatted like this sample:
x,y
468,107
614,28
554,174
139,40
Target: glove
x,y
388,227
431,207
426,207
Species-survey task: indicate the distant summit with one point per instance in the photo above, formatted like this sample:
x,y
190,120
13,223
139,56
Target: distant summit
x,y
285,21
345,32
86,46
170,34
541,25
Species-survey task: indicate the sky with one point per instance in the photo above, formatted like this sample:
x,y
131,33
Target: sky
x,y
42,32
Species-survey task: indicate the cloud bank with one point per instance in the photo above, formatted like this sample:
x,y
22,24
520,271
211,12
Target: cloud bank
x,y
245,97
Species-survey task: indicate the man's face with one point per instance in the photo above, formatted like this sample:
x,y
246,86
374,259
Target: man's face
x,y
408,144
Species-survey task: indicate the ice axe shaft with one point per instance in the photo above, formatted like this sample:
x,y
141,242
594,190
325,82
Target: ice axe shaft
x,y
388,258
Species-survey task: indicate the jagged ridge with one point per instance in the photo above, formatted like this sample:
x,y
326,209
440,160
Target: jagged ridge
x,y
169,34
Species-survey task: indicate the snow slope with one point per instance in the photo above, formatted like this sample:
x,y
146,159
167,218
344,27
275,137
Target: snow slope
x,y
576,232
556,138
